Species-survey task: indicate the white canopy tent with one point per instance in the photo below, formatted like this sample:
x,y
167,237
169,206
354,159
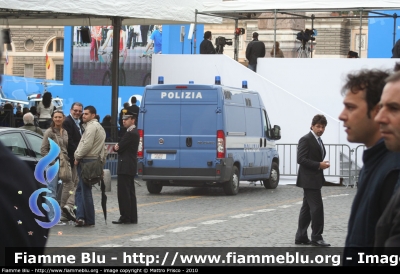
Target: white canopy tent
x,y
244,10
100,12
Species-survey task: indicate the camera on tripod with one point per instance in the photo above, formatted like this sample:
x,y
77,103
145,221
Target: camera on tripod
x,y
305,35
220,43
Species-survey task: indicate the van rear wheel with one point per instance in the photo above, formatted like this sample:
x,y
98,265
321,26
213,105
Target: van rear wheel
x,y
153,187
273,180
231,187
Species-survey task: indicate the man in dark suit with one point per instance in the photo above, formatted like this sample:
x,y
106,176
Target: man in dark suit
x,y
134,108
255,49
73,127
127,165
310,156
206,46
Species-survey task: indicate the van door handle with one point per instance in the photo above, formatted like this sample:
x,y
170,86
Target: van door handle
x,y
261,142
188,141
265,142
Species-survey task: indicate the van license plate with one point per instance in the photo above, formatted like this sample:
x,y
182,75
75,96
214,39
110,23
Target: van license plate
x,y
158,156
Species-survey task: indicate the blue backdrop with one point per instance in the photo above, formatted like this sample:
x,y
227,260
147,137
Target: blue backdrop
x,y
380,35
96,95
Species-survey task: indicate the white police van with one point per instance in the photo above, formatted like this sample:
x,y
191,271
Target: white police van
x,y
205,135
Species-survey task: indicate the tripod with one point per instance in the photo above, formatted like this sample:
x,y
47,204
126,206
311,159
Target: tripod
x,y
303,51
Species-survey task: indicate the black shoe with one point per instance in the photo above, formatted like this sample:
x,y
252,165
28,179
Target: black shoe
x,y
321,243
121,221
80,223
307,242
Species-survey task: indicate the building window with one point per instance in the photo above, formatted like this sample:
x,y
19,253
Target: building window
x,y
59,45
357,43
9,47
28,72
59,72
56,45
29,44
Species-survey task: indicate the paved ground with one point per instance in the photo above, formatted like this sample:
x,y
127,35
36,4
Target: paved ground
x,y
206,217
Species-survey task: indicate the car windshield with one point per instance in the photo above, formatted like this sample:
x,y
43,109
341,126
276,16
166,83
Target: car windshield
x,y
15,143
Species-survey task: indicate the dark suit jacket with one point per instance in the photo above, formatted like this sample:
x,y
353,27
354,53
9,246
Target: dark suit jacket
x,y
134,109
308,157
127,153
255,49
206,47
17,183
73,137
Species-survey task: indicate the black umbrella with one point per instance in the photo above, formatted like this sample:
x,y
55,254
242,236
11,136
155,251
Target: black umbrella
x,y
103,199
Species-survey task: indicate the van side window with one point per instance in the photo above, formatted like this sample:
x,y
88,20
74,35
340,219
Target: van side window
x,y
266,124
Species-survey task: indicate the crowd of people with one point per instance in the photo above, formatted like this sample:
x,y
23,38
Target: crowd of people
x,y
40,118
81,139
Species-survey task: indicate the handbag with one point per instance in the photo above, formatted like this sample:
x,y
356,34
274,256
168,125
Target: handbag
x,y
64,172
92,172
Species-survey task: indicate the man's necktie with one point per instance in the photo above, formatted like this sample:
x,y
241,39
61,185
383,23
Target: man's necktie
x,y
320,144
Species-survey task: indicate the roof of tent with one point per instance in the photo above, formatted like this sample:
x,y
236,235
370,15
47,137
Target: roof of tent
x,y
78,12
247,9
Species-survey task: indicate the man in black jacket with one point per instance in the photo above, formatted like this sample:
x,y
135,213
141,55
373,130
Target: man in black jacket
x,y
127,165
73,127
310,157
122,129
206,46
255,49
134,108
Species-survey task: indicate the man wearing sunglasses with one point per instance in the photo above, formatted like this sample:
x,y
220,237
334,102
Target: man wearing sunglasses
x,y
72,125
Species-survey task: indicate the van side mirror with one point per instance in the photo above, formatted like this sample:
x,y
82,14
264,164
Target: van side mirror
x,y
276,132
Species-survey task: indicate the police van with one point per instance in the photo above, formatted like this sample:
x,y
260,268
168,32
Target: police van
x,y
205,135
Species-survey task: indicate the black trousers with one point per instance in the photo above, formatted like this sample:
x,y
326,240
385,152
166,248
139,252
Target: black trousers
x,y
131,39
143,31
127,198
312,211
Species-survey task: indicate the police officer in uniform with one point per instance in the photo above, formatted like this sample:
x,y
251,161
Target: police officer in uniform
x,y
127,165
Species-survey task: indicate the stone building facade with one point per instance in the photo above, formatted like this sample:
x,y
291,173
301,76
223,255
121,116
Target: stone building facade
x,y
27,52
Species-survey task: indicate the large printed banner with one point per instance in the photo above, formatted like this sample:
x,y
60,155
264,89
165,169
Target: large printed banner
x,y
92,61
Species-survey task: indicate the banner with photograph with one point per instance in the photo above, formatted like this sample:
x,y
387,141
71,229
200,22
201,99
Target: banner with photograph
x,y
92,54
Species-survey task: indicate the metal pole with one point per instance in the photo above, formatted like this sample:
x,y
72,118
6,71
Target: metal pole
x,y
115,76
195,30
235,53
312,29
394,28
359,38
274,34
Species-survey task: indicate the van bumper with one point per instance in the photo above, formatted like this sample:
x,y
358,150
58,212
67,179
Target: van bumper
x,y
220,173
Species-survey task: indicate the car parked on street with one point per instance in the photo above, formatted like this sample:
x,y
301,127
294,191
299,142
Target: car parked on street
x,y
25,144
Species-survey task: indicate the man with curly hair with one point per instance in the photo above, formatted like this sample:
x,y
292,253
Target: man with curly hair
x,y
378,176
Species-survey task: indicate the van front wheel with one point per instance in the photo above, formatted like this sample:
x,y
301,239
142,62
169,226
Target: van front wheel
x,y
231,187
273,180
153,187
